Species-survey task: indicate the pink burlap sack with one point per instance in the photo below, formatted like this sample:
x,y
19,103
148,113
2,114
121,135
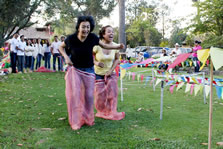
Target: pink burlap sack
x,y
106,94
79,96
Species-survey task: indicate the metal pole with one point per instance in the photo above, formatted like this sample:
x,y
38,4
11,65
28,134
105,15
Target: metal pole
x,y
205,102
161,103
153,80
121,89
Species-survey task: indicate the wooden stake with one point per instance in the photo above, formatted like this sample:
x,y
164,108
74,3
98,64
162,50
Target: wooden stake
x,y
210,106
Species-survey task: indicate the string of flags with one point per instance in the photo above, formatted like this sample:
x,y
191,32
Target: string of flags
x,y
194,85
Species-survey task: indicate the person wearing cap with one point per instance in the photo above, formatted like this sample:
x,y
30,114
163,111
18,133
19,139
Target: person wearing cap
x,y
176,51
140,58
194,54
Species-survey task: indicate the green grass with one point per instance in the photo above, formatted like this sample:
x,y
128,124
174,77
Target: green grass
x,y
30,102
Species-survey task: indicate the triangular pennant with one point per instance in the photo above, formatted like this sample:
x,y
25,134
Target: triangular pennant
x,y
138,77
207,90
171,88
195,81
123,72
180,85
158,81
219,91
147,79
196,89
142,76
192,89
187,87
130,74
133,76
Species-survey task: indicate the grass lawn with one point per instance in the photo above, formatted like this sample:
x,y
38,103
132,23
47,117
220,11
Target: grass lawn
x,y
31,104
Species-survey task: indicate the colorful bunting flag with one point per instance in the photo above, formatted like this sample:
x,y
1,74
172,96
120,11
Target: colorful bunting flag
x,y
207,90
180,85
171,88
188,86
158,81
192,88
133,76
142,76
216,57
196,89
203,56
123,72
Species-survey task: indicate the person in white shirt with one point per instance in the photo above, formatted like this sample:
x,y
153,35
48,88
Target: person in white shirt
x,y
40,53
21,53
55,52
13,43
176,51
28,55
62,39
34,53
47,54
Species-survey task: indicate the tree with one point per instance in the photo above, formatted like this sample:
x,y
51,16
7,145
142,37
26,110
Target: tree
x,y
178,35
70,9
15,16
141,28
122,36
209,17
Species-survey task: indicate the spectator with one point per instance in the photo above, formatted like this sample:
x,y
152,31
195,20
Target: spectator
x,y
21,54
140,58
195,59
176,51
56,54
47,54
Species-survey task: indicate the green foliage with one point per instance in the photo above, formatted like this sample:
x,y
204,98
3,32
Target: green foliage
x,y
177,36
15,15
212,40
209,18
31,102
63,14
164,43
141,28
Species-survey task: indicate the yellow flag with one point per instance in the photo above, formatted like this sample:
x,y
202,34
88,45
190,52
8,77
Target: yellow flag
x,y
195,81
203,55
167,75
190,63
138,77
123,72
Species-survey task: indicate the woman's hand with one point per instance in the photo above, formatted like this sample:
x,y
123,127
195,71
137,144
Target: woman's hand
x,y
68,61
99,64
109,73
121,46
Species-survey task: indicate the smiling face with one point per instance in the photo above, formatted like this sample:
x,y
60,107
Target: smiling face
x,y
109,34
84,29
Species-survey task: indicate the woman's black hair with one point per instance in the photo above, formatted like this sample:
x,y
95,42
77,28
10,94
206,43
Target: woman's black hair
x,y
102,31
89,19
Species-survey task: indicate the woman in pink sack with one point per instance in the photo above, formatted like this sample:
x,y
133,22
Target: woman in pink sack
x,y
80,75
106,87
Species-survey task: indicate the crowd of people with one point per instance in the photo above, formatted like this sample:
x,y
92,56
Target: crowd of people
x,y
26,55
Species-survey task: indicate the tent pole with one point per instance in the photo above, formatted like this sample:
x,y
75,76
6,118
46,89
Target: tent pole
x,y
210,106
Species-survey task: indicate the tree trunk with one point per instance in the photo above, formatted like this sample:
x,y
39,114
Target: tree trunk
x,y
122,35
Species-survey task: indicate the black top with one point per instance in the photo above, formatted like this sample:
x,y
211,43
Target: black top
x,y
81,52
